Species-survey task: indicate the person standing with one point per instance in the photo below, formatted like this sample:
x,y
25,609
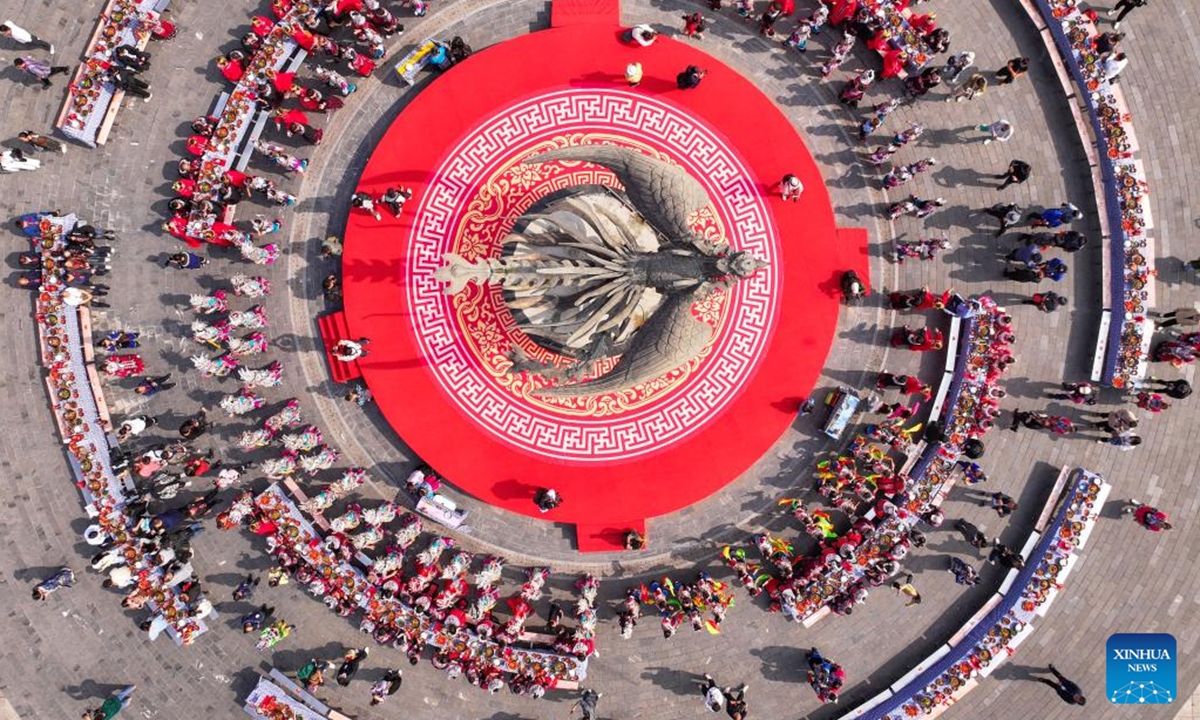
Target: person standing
x,y
799,38
633,74
350,350
135,425
1113,65
154,385
547,499
1080,392
1055,217
1006,556
363,201
312,674
246,588
791,188
1047,302
1124,7
1178,389
359,394
253,621
194,426
587,704
694,25
972,534
955,66
130,83
1125,441
113,705
690,77
1186,316
963,573
1012,70
1002,503
1000,130
1107,43
12,30
976,84
1017,173
186,261
395,198
1070,693
1008,215
714,699
41,143
735,705
389,684
63,577
907,588
43,71
331,247
350,663
634,540
1151,518
1152,402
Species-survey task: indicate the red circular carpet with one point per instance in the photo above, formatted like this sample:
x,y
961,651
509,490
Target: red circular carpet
x,y
441,366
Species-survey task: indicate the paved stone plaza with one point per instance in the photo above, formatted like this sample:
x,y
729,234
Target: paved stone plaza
x,y
64,655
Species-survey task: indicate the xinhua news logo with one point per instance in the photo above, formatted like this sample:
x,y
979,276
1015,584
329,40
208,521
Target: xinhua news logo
x,y
1141,668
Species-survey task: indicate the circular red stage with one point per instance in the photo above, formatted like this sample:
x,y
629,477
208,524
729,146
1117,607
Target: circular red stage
x,y
441,366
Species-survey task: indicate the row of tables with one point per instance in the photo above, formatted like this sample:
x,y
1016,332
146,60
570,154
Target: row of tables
x,y
934,466
1102,115
1006,619
81,414
296,532
91,106
239,121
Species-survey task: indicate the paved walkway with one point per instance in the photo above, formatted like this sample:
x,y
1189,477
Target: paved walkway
x,y
1128,581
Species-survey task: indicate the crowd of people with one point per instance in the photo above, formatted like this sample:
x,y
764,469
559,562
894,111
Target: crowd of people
x,y
1041,231
161,527
143,538
677,602
414,601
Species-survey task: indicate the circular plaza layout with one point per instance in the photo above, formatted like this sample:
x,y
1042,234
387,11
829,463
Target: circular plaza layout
x,y
598,358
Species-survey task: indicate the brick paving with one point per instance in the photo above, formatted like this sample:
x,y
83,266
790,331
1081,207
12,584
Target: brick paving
x,y
1129,580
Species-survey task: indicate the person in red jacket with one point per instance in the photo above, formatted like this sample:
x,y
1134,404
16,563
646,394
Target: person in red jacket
x,y
358,62
231,68
1151,518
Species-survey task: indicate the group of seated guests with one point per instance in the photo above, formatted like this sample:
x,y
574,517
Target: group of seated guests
x,y
121,65
76,263
311,28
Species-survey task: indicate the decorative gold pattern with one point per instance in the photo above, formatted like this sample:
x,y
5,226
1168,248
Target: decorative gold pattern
x,y
487,324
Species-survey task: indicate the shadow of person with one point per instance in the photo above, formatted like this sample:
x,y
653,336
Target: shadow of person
x,y
789,405
678,682
513,489
832,286
35,574
92,690
781,663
